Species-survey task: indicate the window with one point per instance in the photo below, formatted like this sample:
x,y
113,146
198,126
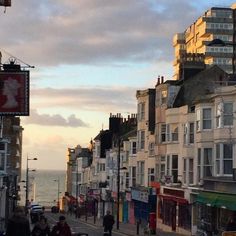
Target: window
x,y
203,119
163,97
175,168
141,139
185,171
2,161
151,149
224,159
219,110
167,132
141,111
160,168
228,114
132,176
163,133
127,180
199,167
133,147
174,132
140,173
198,119
185,133
224,114
207,163
168,165
206,118
102,167
151,175
172,167
79,177
188,171
189,133
2,146
204,164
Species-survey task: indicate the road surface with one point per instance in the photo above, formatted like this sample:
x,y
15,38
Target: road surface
x,y
79,227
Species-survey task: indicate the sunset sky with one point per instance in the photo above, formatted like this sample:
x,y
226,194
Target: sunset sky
x,y
90,57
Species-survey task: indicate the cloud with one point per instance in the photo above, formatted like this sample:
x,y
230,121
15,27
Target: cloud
x,y
95,99
49,32
53,120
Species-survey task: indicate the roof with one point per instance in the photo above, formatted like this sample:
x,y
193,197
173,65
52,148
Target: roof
x,y
200,85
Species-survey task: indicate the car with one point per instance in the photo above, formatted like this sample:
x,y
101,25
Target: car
x,y
35,212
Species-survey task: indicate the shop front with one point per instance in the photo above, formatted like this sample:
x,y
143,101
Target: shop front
x,y
214,210
144,200
174,211
93,198
130,205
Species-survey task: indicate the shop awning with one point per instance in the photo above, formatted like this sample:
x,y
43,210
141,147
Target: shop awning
x,y
219,200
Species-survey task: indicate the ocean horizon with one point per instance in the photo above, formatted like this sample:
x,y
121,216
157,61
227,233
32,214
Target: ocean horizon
x,y
43,186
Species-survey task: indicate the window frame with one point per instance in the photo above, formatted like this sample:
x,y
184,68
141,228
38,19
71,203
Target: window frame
x,y
220,159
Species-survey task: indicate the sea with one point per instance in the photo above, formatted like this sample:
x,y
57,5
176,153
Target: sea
x,y
43,186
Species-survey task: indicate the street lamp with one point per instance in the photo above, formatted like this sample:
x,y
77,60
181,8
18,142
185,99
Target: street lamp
x,y
58,192
27,182
118,185
221,43
77,179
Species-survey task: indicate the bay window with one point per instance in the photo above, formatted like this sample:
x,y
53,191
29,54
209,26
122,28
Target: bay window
x,y
188,171
189,133
140,173
206,118
172,167
224,159
203,119
224,114
141,111
204,164
174,132
141,139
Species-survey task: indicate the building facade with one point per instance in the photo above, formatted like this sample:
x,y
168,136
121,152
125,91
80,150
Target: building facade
x,y
215,23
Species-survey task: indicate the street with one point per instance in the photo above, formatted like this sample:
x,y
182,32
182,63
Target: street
x,y
78,226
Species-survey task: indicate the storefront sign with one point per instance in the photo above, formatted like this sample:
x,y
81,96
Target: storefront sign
x,y
140,195
14,93
173,192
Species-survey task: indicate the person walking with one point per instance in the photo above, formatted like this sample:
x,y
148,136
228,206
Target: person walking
x,y
61,228
108,222
18,224
41,228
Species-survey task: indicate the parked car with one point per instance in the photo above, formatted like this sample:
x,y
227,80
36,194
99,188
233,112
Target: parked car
x,y
35,212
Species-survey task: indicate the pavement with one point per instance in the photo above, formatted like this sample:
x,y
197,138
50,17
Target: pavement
x,y
126,228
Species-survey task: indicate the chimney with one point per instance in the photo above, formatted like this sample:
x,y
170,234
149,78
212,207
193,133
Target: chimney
x,y
162,79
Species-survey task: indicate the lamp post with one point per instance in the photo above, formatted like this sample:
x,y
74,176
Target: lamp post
x,y
77,179
221,43
58,192
118,186
27,181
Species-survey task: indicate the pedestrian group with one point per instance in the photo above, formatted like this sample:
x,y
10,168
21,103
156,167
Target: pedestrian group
x,y
19,225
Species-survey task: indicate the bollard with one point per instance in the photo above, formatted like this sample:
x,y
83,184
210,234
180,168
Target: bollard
x,y
138,224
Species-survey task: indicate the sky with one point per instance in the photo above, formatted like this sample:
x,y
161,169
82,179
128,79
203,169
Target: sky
x,y
90,58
